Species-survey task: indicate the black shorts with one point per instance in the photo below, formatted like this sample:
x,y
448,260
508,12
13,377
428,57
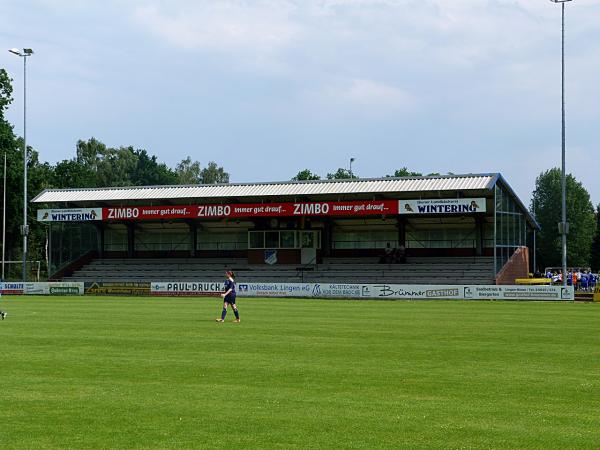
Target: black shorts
x,y
230,299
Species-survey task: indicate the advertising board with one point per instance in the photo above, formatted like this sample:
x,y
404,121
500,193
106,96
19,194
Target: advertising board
x,y
442,206
115,288
369,291
186,288
10,288
69,215
53,288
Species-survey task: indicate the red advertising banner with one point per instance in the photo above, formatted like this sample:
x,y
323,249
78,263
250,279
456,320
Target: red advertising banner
x,y
354,208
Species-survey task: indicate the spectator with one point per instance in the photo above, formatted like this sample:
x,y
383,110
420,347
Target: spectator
x,y
400,255
583,282
388,255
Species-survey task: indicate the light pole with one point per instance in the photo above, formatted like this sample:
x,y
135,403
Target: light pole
x,y
351,161
24,53
563,227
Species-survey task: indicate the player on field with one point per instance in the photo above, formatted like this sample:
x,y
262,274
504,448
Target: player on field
x,y
229,297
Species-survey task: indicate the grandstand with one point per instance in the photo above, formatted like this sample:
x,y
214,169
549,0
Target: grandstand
x,y
459,229
430,270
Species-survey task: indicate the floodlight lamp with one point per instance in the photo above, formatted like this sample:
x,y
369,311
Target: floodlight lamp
x,y
15,51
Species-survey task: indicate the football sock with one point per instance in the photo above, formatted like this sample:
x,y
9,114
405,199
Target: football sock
x,y
223,314
237,314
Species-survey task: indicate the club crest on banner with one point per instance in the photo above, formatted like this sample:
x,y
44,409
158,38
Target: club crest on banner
x,y
271,257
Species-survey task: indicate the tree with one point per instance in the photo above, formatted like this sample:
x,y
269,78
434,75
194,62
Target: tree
x,y
90,152
305,175
9,146
149,172
404,172
341,174
116,166
580,215
213,174
595,249
70,173
188,172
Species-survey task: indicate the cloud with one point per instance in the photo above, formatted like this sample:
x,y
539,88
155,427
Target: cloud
x,y
363,96
258,26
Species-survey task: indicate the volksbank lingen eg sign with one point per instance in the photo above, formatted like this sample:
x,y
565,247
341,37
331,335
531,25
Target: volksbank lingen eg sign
x,y
442,206
69,215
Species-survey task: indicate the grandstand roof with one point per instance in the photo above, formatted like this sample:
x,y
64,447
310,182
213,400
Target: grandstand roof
x,y
469,182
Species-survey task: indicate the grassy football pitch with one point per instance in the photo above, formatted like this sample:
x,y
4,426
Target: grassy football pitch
x,y
106,372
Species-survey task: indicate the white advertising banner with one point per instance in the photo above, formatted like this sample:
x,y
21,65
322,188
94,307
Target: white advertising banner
x,y
53,288
368,291
469,292
442,206
186,288
69,215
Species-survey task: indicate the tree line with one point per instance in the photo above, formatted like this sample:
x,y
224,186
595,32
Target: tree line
x,y
97,165
94,165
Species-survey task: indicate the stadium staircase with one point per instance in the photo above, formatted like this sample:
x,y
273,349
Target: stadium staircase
x,y
422,270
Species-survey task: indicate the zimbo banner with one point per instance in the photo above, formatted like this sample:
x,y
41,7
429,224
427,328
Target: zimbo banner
x,y
360,208
249,210
69,215
368,291
442,206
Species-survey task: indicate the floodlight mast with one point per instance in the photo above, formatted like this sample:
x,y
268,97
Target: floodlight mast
x,y
24,53
563,226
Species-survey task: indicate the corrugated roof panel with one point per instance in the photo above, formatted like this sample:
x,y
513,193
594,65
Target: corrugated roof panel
x,y
365,186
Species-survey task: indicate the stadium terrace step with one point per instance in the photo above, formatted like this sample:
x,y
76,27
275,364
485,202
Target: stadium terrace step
x,y
437,270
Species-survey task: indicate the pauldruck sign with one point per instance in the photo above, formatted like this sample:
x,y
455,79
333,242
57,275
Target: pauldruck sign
x,y
442,206
186,288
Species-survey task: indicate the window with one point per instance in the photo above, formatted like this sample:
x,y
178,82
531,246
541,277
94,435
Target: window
x,y
284,239
256,239
288,239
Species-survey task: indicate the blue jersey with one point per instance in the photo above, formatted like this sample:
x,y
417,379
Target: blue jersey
x,y
230,285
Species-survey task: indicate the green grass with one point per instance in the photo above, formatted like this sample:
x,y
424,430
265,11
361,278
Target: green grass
x,y
106,372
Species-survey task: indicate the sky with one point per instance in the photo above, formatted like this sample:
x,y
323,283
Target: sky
x,y
269,87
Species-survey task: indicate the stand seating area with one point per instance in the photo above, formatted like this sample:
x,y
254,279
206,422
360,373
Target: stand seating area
x,y
421,270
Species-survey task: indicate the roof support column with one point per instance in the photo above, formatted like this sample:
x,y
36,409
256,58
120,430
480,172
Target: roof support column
x,y
194,232
130,239
401,231
479,234
100,233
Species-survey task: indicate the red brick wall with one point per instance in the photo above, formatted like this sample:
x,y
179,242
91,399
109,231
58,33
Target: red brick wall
x,y
516,267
